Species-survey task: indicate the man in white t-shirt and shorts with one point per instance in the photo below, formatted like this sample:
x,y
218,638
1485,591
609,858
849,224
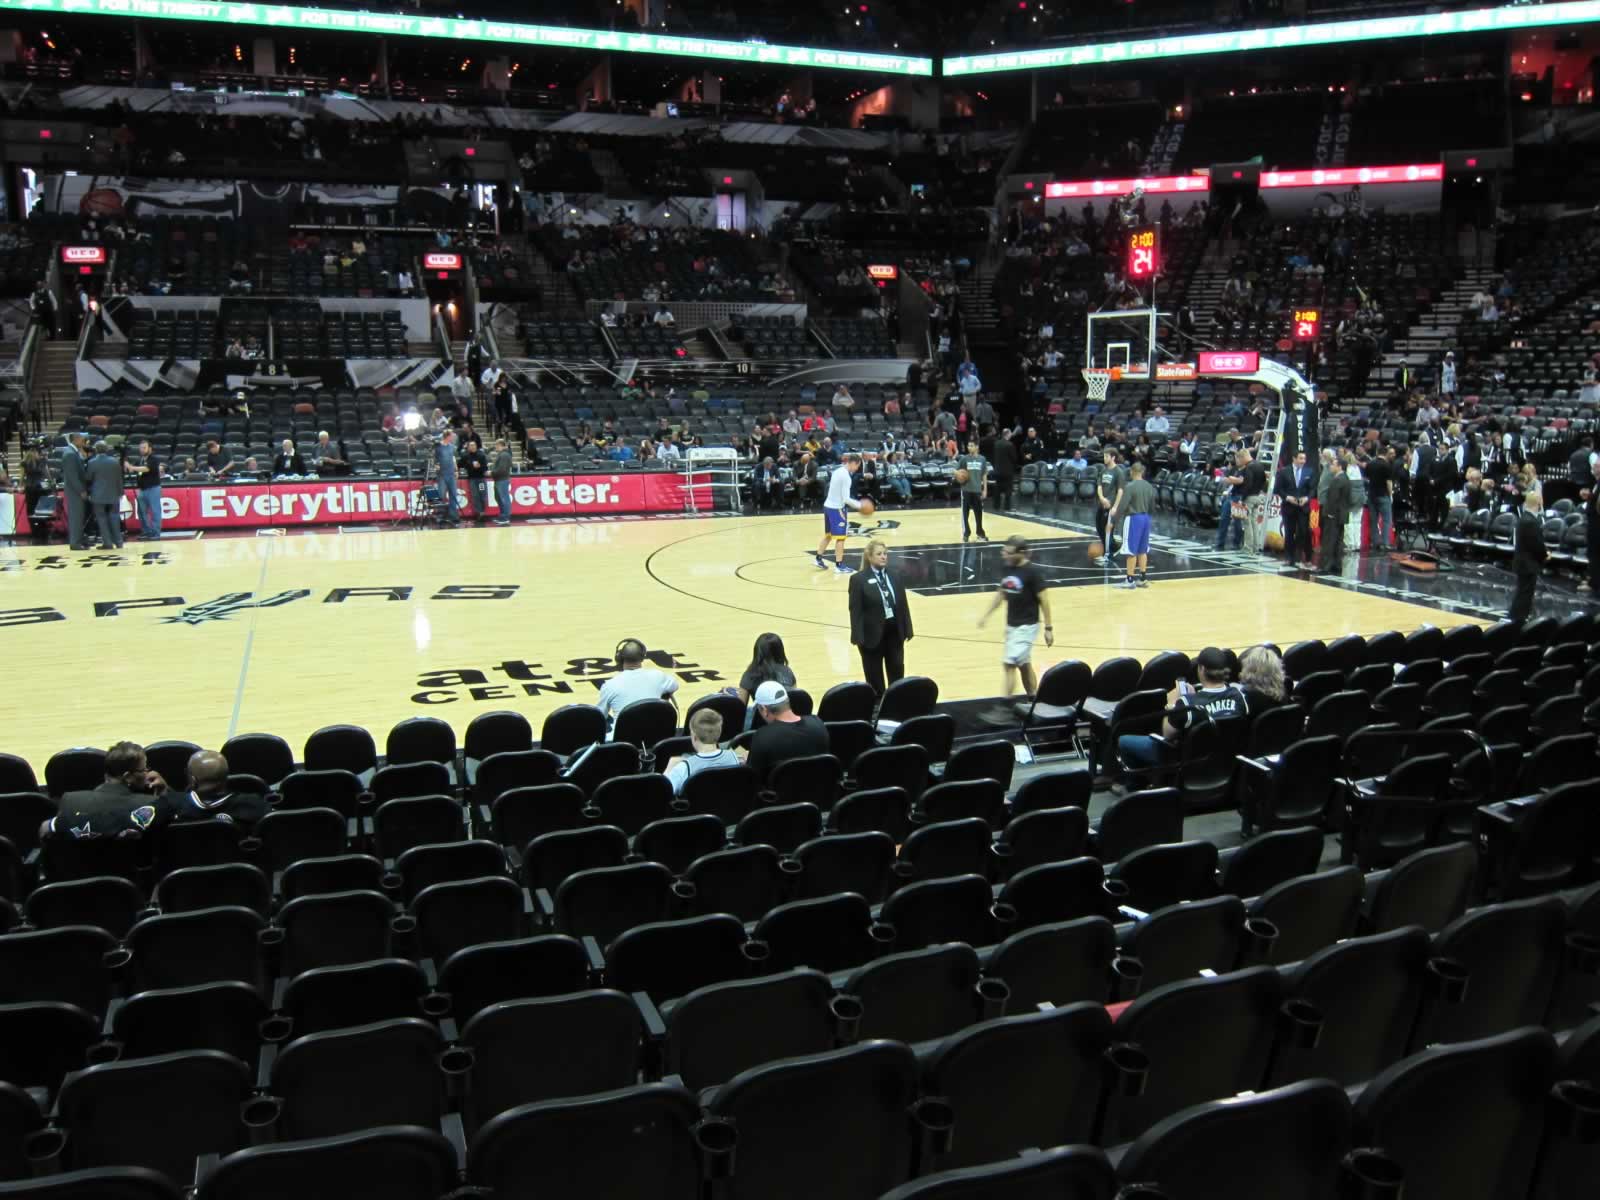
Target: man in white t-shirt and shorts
x,y
835,525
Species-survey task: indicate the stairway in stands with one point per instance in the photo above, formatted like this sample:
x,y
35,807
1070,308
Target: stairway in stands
x,y
55,381
702,346
560,299
1432,334
1205,292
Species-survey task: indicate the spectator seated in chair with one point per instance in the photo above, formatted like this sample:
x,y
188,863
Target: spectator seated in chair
x,y
1220,699
705,731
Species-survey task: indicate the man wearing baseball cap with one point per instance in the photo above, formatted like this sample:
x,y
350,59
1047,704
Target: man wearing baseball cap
x,y
1216,696
786,733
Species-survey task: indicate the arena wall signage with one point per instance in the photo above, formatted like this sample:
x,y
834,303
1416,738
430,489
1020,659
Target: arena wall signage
x,y
356,502
1285,37
1318,177
283,16
1229,362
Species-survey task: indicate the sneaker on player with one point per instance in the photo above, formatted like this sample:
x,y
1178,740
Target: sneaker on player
x,y
820,564
841,569
1128,583
1142,581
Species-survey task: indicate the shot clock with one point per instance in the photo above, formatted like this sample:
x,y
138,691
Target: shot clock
x,y
1307,321
1144,252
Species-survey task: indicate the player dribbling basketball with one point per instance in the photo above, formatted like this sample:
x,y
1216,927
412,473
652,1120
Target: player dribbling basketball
x,y
835,525
1134,504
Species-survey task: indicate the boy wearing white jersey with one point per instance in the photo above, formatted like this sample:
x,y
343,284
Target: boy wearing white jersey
x,y
835,527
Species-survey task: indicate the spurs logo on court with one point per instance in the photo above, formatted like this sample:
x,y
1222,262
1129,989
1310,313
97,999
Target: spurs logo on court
x,y
861,530
231,605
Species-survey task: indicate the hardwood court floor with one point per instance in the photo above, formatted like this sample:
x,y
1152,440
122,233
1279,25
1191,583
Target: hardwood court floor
x,y
205,638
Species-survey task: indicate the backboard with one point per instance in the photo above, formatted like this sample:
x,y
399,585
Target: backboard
x,y
1123,338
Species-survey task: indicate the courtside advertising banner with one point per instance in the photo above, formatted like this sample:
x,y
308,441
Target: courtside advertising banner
x,y
301,502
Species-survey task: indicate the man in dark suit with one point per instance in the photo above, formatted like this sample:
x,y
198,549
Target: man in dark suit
x,y
1528,559
75,489
1459,456
1295,487
1335,512
1419,481
1578,463
129,803
105,494
880,617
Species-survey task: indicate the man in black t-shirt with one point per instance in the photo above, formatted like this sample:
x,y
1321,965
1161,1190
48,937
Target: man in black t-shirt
x,y
1022,589
1108,486
209,798
1254,492
1216,697
1379,472
1003,455
476,465
786,733
148,484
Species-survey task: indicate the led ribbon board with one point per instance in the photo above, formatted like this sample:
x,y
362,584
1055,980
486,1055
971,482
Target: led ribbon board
x,y
510,33
1286,37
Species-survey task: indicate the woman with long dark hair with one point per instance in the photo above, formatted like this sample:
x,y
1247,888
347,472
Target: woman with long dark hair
x,y
767,661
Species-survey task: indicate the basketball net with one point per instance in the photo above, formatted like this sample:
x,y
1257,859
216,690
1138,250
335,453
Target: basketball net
x,y
1097,381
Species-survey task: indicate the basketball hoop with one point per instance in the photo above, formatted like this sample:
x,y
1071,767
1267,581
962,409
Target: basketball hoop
x,y
1098,381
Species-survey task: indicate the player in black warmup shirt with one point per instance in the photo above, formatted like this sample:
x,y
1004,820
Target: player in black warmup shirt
x,y
1022,588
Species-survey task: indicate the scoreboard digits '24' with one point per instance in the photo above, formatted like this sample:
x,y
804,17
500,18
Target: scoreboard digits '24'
x,y
1144,252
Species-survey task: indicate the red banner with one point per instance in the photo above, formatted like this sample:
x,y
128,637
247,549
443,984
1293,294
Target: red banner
x,y
360,502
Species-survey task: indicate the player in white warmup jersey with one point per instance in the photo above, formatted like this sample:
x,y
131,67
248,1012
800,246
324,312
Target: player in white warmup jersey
x,y
835,527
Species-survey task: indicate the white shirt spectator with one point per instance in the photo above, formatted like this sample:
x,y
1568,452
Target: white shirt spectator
x,y
642,683
1158,423
664,318
842,397
692,764
1051,359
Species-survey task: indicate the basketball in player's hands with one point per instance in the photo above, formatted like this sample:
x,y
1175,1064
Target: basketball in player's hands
x,y
868,508
1096,549
962,475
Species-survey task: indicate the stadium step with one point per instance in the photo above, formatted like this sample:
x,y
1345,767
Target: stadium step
x,y
702,347
58,376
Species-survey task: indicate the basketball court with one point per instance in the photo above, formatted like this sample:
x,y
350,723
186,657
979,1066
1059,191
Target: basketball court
x,y
203,638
